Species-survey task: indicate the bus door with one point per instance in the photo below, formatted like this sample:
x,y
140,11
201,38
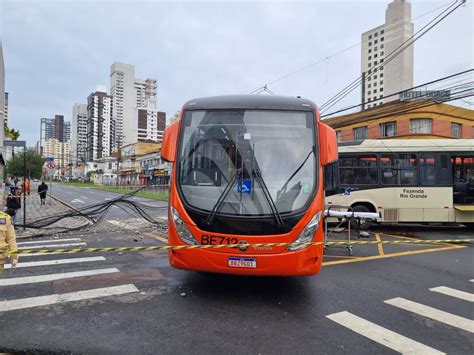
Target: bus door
x,y
463,179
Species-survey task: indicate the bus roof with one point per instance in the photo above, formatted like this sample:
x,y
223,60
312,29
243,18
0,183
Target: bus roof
x,y
269,102
407,145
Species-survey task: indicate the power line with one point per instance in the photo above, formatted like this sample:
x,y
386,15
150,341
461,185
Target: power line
x,y
398,93
409,42
335,54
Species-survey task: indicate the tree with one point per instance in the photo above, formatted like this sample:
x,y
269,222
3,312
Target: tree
x,y
10,133
34,164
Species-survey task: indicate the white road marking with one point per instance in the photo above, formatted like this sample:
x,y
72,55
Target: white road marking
x,y
84,197
65,297
454,293
52,246
121,224
56,262
53,277
51,241
381,335
471,280
76,200
41,254
433,313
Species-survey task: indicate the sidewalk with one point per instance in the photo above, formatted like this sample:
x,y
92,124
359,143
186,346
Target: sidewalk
x,y
35,211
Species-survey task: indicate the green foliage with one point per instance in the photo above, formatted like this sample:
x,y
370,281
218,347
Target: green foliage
x,y
34,164
10,133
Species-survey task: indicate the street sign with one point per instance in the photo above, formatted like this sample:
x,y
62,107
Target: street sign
x,y
14,143
51,165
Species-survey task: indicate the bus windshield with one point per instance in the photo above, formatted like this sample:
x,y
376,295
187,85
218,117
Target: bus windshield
x,y
263,158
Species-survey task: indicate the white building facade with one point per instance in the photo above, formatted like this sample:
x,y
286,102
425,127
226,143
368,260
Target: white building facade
x,y
380,79
59,151
79,133
100,127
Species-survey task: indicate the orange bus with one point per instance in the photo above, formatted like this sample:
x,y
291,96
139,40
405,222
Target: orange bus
x,y
248,169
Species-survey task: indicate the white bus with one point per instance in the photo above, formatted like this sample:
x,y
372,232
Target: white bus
x,y
405,180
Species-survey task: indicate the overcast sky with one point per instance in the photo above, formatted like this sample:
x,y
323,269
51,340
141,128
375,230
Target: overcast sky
x,y
56,52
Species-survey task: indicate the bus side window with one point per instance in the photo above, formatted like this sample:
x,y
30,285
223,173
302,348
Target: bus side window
x,y
329,178
443,171
427,169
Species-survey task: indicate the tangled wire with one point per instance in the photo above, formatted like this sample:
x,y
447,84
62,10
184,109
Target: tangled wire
x,y
96,213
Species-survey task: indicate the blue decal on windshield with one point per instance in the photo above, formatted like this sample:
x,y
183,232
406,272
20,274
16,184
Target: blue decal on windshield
x,y
244,186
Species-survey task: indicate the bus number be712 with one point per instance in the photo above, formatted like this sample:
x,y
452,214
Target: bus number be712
x,y
207,239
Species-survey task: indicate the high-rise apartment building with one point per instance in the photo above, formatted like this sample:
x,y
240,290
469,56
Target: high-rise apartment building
x,y
100,127
2,94
53,128
380,79
5,115
134,109
122,90
79,133
59,151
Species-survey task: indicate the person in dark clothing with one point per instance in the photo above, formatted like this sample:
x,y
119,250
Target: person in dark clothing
x,y
13,204
42,191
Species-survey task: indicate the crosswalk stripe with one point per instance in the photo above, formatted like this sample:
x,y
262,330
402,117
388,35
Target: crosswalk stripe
x,y
50,241
454,293
47,300
471,280
54,277
51,246
381,335
40,254
56,262
433,313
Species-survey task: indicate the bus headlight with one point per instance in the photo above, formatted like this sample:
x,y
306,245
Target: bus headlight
x,y
183,231
307,234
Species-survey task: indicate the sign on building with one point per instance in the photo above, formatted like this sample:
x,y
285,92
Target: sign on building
x,y
434,95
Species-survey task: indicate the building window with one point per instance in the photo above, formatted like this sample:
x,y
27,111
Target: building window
x,y
358,169
381,46
369,79
421,126
369,92
370,57
381,39
381,75
375,42
369,85
375,62
375,48
375,55
382,31
381,89
380,96
381,82
360,132
381,53
370,64
368,106
381,60
388,129
375,34
338,136
456,130
370,43
370,36
375,84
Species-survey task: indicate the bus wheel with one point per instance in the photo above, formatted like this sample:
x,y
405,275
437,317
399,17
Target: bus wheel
x,y
364,222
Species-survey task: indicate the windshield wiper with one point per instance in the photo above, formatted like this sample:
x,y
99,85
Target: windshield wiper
x,y
258,176
285,185
222,197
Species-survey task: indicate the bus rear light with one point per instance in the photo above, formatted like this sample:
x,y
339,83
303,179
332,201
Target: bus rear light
x,y
183,231
307,234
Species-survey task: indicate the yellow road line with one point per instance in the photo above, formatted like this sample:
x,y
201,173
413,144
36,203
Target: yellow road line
x,y
379,246
412,238
403,253
342,256
157,237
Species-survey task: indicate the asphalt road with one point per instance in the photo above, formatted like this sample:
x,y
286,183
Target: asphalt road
x,y
81,197
164,310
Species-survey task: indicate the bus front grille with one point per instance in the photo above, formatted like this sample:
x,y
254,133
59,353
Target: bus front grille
x,y
390,215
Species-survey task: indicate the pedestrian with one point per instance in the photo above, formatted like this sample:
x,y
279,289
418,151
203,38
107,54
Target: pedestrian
x,y
42,191
7,241
8,183
27,186
13,204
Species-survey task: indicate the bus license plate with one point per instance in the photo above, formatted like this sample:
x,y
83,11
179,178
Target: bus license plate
x,y
250,263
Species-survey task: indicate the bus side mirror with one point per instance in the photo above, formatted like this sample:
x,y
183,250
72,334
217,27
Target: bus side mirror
x,y
327,144
170,142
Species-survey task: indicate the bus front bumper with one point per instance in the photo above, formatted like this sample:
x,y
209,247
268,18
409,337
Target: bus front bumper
x,y
296,263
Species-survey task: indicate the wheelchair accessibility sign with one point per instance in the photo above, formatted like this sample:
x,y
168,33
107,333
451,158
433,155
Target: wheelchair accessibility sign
x,y
244,186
